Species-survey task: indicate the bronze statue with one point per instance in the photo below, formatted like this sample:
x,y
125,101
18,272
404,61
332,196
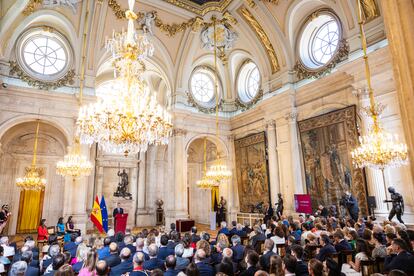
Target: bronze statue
x,y
397,205
121,190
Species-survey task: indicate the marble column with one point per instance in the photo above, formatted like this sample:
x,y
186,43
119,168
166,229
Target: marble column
x,y
295,152
180,174
141,204
232,201
273,160
398,21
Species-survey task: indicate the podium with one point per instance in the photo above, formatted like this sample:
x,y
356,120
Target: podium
x,y
121,222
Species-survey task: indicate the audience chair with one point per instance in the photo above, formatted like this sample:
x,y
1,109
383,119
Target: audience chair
x,y
367,267
379,265
345,256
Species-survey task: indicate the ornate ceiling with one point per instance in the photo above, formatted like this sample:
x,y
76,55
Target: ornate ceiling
x,y
201,7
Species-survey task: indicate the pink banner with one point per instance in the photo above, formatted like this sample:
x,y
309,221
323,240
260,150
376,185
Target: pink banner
x,y
303,204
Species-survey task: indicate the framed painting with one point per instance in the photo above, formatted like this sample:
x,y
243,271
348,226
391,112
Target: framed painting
x,y
327,141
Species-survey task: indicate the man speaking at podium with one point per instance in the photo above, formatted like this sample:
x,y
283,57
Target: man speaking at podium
x,y
117,210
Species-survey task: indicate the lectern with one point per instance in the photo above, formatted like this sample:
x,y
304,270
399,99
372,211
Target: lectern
x,y
121,222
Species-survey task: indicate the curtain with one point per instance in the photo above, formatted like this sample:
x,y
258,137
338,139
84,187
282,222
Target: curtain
x,y
30,211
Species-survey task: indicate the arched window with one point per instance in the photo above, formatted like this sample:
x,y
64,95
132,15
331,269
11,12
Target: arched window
x,y
202,84
44,54
248,82
319,40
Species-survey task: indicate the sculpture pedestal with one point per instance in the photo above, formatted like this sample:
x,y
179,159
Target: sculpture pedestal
x,y
127,205
159,217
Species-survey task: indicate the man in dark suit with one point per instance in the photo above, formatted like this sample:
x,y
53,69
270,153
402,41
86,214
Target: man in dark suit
x,y
174,239
164,251
265,258
301,267
194,237
138,261
117,210
340,243
217,256
203,267
170,263
125,265
154,262
223,228
252,258
327,248
237,248
352,205
400,259
57,262
71,246
233,230
259,236
290,265
27,257
128,241
140,248
113,258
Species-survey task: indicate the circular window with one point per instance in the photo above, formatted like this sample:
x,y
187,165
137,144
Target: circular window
x,y
248,83
319,40
202,84
44,54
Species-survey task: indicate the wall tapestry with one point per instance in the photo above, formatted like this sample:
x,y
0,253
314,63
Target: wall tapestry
x,y
326,144
251,170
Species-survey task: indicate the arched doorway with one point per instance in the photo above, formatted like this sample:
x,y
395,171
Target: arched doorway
x,y
199,200
17,152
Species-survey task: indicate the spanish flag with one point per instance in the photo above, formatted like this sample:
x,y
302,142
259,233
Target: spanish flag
x,y
96,215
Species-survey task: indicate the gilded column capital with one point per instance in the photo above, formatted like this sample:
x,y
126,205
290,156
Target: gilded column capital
x,y
292,116
179,132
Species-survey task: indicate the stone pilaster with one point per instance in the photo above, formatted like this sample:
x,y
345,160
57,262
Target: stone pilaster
x,y
273,159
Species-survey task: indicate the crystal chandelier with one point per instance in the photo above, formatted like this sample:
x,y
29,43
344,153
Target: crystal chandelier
x,y
74,164
32,179
219,171
206,182
379,149
133,120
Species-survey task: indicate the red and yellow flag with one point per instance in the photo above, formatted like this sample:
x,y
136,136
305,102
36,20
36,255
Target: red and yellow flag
x,y
96,215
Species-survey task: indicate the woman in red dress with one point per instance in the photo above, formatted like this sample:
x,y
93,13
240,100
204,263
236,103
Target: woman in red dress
x,y
42,233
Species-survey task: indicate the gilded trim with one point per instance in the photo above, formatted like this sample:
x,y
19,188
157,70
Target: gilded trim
x,y
31,7
264,39
245,106
201,10
303,72
67,79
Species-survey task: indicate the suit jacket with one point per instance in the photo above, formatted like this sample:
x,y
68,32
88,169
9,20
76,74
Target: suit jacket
x,y
181,263
342,245
132,248
265,260
205,269
256,238
301,269
249,272
238,252
216,258
233,272
153,263
113,260
116,211
122,268
139,273
32,271
164,252
171,272
224,231
171,245
46,263
146,256
71,247
77,267
51,273
324,251
403,261
195,238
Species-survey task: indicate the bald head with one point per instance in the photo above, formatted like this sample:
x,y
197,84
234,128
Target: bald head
x,y
102,268
227,252
113,247
200,255
170,262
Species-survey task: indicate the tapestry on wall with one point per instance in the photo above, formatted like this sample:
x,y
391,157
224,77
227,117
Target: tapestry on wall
x,y
251,170
326,144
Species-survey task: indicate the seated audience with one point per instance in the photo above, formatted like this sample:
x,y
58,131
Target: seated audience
x,y
27,257
126,263
379,250
102,268
194,237
164,251
399,258
113,258
301,266
181,263
170,263
362,255
326,249
60,227
276,266
70,226
89,264
66,270
46,263
252,258
80,259
315,268
289,265
204,268
104,251
57,261
19,268
265,258
340,243
238,248
153,262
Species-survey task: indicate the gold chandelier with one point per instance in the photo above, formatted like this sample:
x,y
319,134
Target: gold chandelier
x,y
379,149
131,121
219,171
32,179
74,164
206,182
